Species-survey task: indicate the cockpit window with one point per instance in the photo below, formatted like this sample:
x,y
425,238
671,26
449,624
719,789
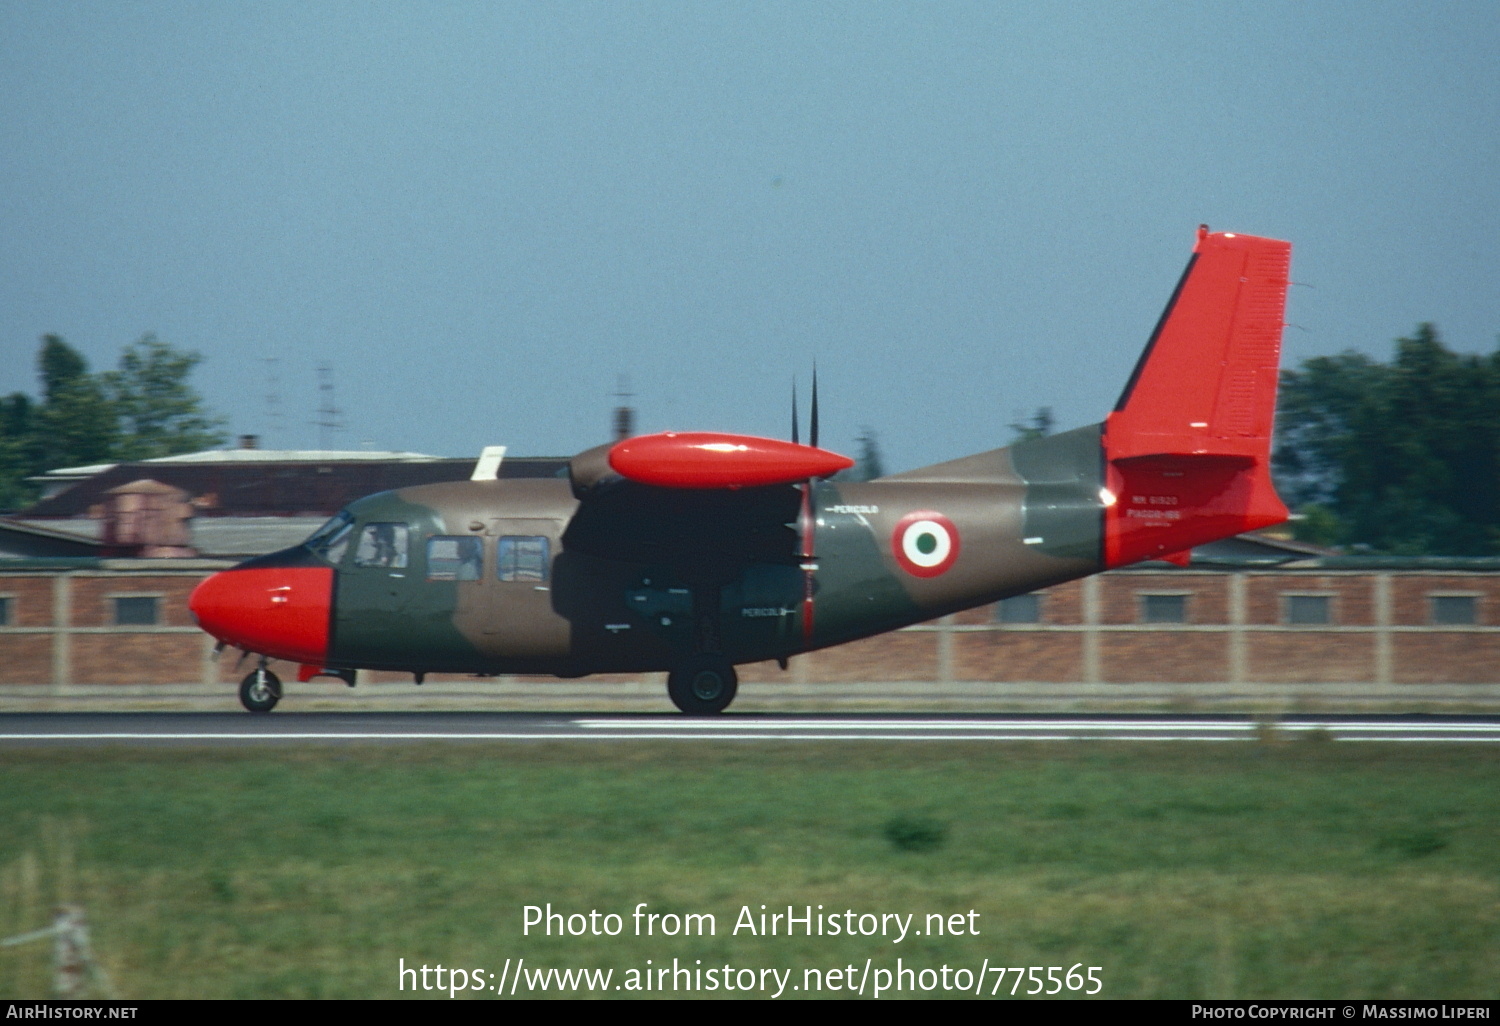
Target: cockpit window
x,y
382,545
330,540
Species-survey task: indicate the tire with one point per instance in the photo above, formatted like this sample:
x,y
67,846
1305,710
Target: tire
x,y
260,691
703,686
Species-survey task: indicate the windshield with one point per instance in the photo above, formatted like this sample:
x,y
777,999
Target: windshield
x,y
330,540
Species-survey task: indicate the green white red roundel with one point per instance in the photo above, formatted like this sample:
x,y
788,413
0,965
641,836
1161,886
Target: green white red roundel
x,y
925,543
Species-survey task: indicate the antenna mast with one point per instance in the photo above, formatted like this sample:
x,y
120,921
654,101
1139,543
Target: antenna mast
x,y
273,423
330,417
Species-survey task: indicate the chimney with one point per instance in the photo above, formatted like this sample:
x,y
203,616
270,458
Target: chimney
x,y
147,518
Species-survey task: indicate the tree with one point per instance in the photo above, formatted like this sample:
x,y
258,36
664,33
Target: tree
x,y
1040,426
17,449
869,464
72,425
1402,458
59,365
75,425
160,414
144,409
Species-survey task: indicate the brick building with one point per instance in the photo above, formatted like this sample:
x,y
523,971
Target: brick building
x,y
94,621
1332,621
1251,617
1345,625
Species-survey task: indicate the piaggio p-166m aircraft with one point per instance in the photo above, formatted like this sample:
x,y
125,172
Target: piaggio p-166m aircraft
x,y
693,552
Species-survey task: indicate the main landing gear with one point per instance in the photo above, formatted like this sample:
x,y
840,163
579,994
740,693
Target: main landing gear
x,y
260,691
703,685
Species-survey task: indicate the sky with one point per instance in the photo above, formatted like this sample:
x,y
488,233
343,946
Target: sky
x,y
480,215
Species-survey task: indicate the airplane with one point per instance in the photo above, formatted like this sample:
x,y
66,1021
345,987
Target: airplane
x,y
691,552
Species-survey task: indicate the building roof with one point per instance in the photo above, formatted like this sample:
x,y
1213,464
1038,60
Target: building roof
x,y
54,482
1256,549
269,482
29,541
213,537
243,537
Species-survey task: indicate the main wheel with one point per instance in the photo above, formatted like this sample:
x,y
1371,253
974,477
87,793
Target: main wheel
x,y
703,686
260,691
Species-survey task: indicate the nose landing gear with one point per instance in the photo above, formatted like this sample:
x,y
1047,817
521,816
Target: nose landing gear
x,y
260,690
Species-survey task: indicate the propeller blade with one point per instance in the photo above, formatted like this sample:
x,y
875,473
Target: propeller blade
x,y
812,438
795,439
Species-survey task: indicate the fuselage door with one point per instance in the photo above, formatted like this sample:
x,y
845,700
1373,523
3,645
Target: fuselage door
x,y
375,590
519,621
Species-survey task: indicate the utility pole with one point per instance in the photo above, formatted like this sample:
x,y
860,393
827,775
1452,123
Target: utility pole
x,y
272,427
329,415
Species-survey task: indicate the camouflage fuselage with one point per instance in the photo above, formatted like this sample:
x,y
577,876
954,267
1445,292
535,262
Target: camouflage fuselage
x,y
1018,519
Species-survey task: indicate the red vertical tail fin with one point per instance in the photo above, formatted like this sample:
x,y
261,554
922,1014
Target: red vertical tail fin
x,y
1207,380
1188,446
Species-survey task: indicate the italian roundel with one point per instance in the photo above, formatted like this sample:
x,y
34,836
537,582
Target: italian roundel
x,y
925,543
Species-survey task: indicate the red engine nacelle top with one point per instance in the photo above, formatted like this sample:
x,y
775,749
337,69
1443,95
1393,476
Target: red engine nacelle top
x,y
712,459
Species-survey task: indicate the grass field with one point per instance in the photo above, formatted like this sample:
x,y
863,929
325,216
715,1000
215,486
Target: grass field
x,y
1307,869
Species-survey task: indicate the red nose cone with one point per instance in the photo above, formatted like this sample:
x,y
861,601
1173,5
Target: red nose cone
x,y
705,459
281,612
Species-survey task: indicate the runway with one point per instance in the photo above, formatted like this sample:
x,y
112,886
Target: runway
x,y
213,729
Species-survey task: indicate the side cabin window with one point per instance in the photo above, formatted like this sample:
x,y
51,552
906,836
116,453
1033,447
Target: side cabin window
x,y
382,545
522,558
454,558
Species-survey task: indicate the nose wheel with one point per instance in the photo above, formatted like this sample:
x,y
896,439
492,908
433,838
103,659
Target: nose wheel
x,y
703,686
260,690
